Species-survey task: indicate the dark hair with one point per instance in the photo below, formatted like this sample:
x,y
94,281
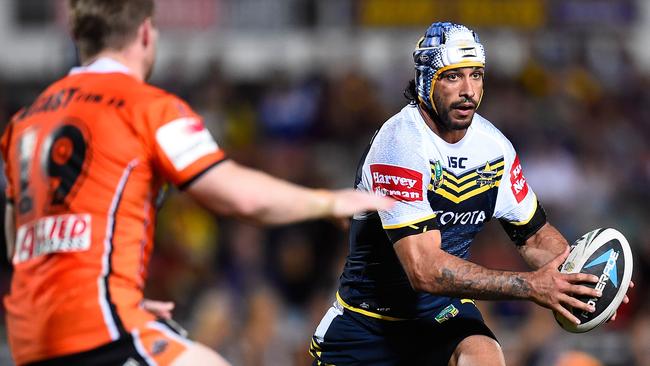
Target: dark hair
x,y
97,25
411,92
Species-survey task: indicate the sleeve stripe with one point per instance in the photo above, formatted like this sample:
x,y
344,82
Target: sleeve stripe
x,y
198,175
519,232
530,216
409,223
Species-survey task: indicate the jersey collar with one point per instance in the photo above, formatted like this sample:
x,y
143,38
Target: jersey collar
x,y
415,114
102,65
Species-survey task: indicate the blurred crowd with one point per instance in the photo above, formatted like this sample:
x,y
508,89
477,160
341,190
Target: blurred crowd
x,y
581,125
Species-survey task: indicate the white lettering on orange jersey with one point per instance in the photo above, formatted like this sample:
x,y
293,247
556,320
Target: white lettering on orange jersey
x,y
52,234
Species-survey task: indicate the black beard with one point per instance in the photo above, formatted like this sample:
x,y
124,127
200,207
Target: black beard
x,y
441,118
445,122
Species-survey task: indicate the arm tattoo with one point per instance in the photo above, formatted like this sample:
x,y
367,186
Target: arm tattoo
x,y
475,281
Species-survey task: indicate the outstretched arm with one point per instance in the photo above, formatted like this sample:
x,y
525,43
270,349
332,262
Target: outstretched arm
x,y
430,269
232,189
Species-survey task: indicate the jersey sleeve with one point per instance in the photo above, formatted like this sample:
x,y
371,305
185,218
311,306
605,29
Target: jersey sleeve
x,y
183,149
397,167
4,148
517,207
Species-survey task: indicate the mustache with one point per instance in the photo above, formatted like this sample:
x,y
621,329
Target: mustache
x,y
465,100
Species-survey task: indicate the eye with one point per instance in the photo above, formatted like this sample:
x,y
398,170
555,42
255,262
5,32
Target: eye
x,y
477,75
451,76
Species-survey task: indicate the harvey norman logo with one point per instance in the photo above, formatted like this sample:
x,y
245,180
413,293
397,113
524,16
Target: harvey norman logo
x,y
518,183
398,182
393,180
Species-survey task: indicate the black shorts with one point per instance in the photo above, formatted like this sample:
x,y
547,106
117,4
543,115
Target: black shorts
x,y
345,337
160,342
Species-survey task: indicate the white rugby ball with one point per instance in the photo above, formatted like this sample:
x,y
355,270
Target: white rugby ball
x,y
606,254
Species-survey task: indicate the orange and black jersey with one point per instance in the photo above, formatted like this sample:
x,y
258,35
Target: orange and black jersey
x,y
84,165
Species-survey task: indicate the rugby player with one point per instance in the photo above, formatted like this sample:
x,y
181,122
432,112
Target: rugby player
x,y
85,163
407,291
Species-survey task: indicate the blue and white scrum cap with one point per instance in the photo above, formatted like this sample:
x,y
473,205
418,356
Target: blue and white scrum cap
x,y
444,46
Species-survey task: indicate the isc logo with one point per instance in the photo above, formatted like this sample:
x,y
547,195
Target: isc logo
x,y
456,162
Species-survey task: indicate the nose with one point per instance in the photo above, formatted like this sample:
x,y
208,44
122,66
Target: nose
x,y
467,89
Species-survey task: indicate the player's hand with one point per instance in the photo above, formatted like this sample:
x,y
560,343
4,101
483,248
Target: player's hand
x,y
557,291
625,301
161,309
347,202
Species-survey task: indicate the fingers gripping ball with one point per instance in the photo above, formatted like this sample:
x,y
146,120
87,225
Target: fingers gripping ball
x,y
606,254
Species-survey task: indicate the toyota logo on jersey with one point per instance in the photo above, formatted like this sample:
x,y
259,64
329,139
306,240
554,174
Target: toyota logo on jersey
x,y
397,182
518,181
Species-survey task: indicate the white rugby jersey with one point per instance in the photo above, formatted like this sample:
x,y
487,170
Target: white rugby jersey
x,y
455,188
402,163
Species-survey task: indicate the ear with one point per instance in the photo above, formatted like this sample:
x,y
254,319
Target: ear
x,y
145,32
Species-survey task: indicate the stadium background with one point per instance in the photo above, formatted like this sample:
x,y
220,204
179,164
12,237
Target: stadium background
x,y
296,88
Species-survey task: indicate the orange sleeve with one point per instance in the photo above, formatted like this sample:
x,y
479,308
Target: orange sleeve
x,y
4,147
183,149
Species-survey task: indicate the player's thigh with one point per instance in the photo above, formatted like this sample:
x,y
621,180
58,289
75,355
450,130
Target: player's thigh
x,y
477,350
198,355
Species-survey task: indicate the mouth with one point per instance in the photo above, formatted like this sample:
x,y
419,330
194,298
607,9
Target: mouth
x,y
464,109
464,106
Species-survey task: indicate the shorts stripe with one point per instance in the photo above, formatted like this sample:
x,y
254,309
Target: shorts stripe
x,y
164,329
137,342
332,313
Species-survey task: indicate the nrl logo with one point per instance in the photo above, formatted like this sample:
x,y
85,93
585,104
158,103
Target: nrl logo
x,y
569,266
436,175
486,175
